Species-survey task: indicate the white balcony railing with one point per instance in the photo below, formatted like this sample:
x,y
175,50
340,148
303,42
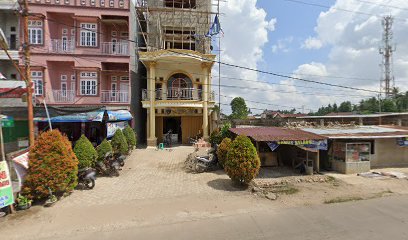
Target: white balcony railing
x,y
115,48
63,96
62,46
177,94
108,96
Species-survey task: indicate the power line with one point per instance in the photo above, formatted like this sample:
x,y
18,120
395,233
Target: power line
x,y
245,68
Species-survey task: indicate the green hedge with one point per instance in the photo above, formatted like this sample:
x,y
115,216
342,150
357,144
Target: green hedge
x,y
130,136
119,144
85,152
103,148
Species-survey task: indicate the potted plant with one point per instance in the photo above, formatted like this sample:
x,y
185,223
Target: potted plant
x,y
23,202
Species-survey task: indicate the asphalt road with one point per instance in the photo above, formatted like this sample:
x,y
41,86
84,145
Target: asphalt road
x,y
384,218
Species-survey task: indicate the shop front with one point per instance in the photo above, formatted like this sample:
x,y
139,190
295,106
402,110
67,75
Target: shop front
x,y
95,125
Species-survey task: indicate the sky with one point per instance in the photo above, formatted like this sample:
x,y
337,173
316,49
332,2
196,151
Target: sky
x,y
329,41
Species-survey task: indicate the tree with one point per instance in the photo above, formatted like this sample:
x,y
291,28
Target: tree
x,y
239,108
130,136
242,164
52,166
85,152
119,144
222,150
345,107
335,109
103,148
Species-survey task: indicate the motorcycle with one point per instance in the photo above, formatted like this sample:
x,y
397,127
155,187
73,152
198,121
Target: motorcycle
x,y
120,159
87,177
207,163
109,166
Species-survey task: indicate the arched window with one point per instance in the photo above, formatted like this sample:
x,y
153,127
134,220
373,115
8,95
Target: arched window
x,y
179,86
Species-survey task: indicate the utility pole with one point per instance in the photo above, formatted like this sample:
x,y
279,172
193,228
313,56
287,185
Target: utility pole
x,y
219,63
27,71
386,50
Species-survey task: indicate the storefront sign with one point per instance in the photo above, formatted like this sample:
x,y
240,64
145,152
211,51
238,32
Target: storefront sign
x,y
7,122
113,126
311,144
403,142
6,190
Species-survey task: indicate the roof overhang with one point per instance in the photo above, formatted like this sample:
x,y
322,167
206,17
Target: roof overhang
x,y
179,54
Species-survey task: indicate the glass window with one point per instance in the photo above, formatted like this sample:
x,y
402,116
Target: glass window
x,y
35,32
89,83
88,35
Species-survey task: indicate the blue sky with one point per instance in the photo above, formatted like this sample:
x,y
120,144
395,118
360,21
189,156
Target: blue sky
x,y
294,21
336,45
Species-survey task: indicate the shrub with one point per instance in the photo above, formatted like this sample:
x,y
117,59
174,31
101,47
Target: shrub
x,y
52,164
130,137
103,148
119,144
85,152
223,149
242,164
219,134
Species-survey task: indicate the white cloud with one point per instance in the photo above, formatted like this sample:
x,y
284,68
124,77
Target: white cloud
x,y
312,43
271,25
282,45
246,32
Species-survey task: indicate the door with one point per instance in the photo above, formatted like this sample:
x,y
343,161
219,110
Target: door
x,y
191,127
64,44
13,43
124,92
113,92
114,47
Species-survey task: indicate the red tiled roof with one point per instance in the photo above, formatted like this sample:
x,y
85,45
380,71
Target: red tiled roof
x,y
339,114
266,134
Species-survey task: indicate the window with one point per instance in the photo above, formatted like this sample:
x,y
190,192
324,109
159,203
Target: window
x,y
102,3
113,89
88,34
92,2
13,76
72,77
114,78
73,32
35,31
64,31
83,2
111,3
63,77
180,3
64,89
12,29
57,1
67,2
124,78
121,3
89,83
37,78
114,33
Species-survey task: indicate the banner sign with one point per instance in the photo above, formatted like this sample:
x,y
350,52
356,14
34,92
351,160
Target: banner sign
x,y
310,144
113,126
6,190
403,142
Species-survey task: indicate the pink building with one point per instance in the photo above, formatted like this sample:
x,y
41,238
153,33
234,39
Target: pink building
x,y
81,52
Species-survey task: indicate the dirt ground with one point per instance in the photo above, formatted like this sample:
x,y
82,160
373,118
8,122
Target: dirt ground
x,y
155,189
328,187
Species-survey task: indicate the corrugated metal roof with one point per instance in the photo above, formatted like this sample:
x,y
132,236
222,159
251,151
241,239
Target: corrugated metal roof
x,y
366,132
266,134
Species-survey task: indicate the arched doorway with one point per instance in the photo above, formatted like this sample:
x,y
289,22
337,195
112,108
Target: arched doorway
x,y
179,86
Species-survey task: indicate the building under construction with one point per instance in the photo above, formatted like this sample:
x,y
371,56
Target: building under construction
x,y
175,49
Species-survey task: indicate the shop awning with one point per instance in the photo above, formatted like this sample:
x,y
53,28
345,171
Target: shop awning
x,y
93,116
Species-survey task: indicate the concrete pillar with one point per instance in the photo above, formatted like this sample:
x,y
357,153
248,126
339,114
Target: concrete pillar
x,y
152,140
205,72
164,90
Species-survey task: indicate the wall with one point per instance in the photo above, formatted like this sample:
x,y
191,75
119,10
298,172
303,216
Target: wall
x,y
388,154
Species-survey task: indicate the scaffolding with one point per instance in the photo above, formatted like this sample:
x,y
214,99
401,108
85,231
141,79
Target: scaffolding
x,y
175,24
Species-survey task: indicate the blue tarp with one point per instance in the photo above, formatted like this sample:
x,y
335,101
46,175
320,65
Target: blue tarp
x,y
95,116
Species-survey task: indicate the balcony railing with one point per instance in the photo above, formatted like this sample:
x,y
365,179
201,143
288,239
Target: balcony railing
x,y
177,94
115,48
108,96
63,96
62,46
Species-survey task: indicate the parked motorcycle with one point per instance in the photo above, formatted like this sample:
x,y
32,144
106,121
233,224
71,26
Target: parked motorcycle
x,y
207,163
87,177
120,158
109,166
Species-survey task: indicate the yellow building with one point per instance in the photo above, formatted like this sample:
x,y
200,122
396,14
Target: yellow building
x,y
178,60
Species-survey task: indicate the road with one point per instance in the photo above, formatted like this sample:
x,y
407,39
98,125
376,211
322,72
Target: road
x,y
384,218
155,198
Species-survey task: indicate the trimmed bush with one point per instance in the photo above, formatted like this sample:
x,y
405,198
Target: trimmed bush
x,y
222,150
85,152
103,148
119,144
215,137
243,162
130,137
52,164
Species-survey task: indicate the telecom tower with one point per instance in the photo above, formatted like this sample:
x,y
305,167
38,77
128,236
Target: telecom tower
x,y
386,50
